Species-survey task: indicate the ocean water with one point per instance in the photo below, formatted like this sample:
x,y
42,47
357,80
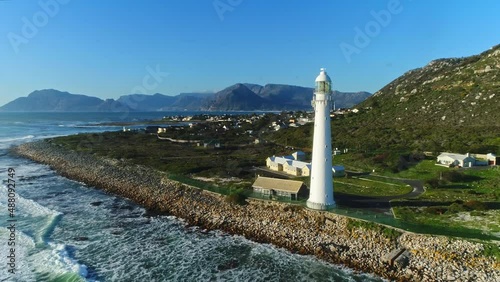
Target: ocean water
x,y
67,231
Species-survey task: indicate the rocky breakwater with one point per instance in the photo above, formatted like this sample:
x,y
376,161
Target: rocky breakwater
x,y
328,236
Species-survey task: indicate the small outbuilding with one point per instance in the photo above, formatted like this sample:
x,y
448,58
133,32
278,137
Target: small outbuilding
x,y
492,159
283,188
338,171
212,144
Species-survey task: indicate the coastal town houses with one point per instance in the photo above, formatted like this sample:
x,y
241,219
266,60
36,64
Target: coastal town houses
x,y
279,188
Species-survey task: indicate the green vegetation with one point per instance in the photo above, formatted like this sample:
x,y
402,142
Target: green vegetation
x,y
389,233
455,216
370,187
424,170
470,184
492,250
184,159
182,162
237,197
477,230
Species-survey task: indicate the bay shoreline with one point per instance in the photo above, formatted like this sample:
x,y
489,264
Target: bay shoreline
x,y
322,234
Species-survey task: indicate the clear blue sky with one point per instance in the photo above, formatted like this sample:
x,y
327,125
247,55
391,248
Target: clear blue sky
x,y
104,48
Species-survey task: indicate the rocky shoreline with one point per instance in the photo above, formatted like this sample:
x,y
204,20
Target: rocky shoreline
x,y
322,234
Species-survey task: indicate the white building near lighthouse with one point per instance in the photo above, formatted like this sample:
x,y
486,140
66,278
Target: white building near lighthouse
x,y
321,188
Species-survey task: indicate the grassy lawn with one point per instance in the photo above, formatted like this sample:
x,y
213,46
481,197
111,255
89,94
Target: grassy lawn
x,y
382,179
370,187
423,170
442,216
475,184
352,162
464,194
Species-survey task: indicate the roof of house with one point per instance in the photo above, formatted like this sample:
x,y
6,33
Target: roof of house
x,y
297,164
459,157
281,160
277,184
337,168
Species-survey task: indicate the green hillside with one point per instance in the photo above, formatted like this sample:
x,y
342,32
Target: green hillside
x,y
448,105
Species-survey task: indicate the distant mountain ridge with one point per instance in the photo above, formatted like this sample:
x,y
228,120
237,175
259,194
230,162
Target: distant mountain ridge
x,y
238,97
50,100
235,98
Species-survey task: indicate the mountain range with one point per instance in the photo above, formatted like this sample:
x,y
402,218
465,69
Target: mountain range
x,y
238,97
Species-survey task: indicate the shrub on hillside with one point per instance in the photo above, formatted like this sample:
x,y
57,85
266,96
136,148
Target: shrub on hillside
x,y
436,210
456,208
237,197
452,176
475,205
432,183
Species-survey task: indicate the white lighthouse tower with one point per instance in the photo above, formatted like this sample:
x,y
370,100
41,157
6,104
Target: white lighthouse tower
x,y
321,190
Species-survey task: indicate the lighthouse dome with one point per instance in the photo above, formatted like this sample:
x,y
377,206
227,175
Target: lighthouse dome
x,y
323,76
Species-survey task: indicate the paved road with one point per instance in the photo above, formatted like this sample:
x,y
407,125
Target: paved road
x,y
379,203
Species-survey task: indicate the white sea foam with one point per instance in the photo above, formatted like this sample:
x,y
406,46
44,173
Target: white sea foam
x,y
50,136
165,250
6,142
13,139
34,262
55,262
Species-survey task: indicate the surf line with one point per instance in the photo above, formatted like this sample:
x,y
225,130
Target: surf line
x,y
11,209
